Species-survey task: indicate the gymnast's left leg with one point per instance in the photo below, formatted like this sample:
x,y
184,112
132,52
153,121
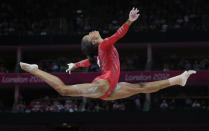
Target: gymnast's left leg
x,y
95,89
125,89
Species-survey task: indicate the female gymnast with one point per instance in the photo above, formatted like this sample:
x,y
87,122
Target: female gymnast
x,y
106,85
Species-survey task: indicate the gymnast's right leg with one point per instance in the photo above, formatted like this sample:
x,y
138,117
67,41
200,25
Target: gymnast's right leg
x,y
124,89
93,90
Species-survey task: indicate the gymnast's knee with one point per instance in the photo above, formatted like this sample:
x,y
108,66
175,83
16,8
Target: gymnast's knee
x,y
101,88
141,85
144,88
64,91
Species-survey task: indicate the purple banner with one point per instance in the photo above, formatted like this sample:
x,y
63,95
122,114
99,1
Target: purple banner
x,y
81,77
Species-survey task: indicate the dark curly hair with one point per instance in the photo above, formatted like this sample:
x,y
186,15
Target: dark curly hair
x,y
89,50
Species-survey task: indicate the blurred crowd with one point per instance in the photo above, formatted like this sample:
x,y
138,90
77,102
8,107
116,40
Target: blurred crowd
x,y
61,17
129,62
134,62
185,62
58,104
136,104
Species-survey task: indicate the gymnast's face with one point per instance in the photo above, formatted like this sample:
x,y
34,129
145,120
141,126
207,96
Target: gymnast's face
x,y
93,37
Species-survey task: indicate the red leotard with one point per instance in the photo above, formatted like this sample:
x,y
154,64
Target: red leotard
x,y
108,59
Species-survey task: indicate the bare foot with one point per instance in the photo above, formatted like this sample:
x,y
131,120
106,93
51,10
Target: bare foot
x,y
181,79
28,67
184,77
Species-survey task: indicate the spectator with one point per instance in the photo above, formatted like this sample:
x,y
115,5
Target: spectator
x,y
164,105
116,106
21,107
196,105
138,102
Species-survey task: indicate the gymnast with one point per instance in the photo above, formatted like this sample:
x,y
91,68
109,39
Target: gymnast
x,y
105,86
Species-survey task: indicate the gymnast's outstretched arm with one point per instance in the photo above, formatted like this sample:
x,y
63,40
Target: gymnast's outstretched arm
x,y
133,16
73,66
